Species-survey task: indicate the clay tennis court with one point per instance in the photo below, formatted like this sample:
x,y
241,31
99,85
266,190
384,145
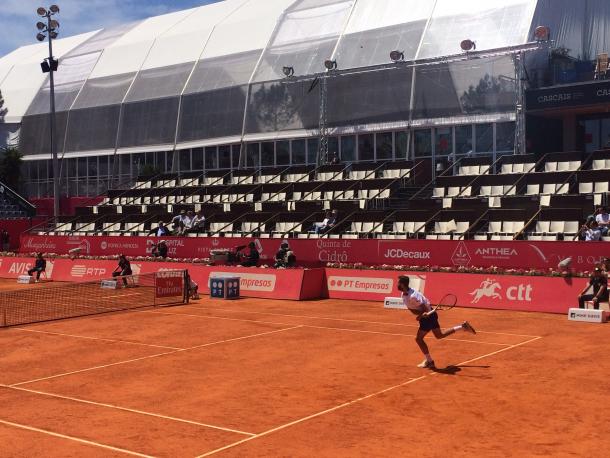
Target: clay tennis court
x,y
321,378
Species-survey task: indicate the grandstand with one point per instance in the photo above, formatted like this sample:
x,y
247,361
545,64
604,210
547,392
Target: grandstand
x,y
228,109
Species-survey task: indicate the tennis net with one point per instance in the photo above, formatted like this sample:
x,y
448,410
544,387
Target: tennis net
x,y
56,302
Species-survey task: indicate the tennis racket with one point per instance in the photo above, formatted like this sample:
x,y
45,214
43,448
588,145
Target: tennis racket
x,y
447,302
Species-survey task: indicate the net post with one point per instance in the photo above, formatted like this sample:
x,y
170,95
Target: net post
x,y
187,287
155,289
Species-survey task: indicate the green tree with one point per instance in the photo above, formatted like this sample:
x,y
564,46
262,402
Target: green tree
x,y
3,110
10,167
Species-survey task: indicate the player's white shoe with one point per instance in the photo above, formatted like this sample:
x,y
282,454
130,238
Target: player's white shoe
x,y
468,327
425,364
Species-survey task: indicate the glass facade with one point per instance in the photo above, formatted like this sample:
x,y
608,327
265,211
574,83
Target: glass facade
x,y
91,176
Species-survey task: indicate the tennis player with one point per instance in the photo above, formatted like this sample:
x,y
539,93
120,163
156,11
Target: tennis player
x,y
420,306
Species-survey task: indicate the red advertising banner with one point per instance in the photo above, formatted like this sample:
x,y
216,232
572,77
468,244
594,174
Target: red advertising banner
x,y
316,252
291,284
507,292
168,286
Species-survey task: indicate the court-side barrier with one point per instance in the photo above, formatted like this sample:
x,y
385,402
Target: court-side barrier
x,y
318,252
290,284
523,293
506,292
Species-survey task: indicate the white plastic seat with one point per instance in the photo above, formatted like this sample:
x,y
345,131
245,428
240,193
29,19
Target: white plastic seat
x,y
453,191
549,188
601,186
550,167
485,191
533,189
495,226
543,227
294,177
506,168
438,192
571,227
557,226
585,188
497,190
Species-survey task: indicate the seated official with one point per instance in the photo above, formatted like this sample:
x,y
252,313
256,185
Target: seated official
x,y
40,265
252,256
599,283
284,257
123,269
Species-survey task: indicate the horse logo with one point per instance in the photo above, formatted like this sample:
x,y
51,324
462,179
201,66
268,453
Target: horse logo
x,y
487,289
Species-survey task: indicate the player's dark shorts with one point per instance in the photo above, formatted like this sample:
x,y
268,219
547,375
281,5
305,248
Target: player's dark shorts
x,y
429,323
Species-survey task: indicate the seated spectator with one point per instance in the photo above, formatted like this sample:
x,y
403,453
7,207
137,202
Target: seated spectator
x,y
590,233
160,250
179,223
332,222
603,221
123,269
188,222
40,265
599,283
285,257
334,159
252,257
160,231
198,222
318,228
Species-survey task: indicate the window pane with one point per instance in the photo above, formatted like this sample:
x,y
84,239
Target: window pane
x,y
282,152
312,150
224,156
160,161
211,158
169,161
298,151
333,148
485,138
104,165
197,158
267,153
92,170
81,167
444,141
50,169
463,139
422,143
505,136
253,159
137,161
125,164
235,152
384,145
150,158
402,142
366,147
348,148
185,160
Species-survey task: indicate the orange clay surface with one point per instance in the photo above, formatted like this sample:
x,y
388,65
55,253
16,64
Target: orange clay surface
x,y
324,378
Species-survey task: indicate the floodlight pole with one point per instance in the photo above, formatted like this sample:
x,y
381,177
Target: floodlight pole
x,y
323,121
52,124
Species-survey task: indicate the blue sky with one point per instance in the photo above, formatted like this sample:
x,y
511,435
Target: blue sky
x,y
18,17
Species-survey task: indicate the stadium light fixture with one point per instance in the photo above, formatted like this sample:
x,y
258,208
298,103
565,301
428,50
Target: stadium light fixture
x,y
397,56
50,65
288,71
330,64
542,33
468,45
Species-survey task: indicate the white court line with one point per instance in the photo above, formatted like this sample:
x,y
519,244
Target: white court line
x,y
213,317
72,438
154,356
339,319
97,338
126,409
345,404
402,335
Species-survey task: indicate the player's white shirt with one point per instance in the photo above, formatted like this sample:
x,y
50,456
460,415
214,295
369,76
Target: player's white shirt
x,y
414,300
